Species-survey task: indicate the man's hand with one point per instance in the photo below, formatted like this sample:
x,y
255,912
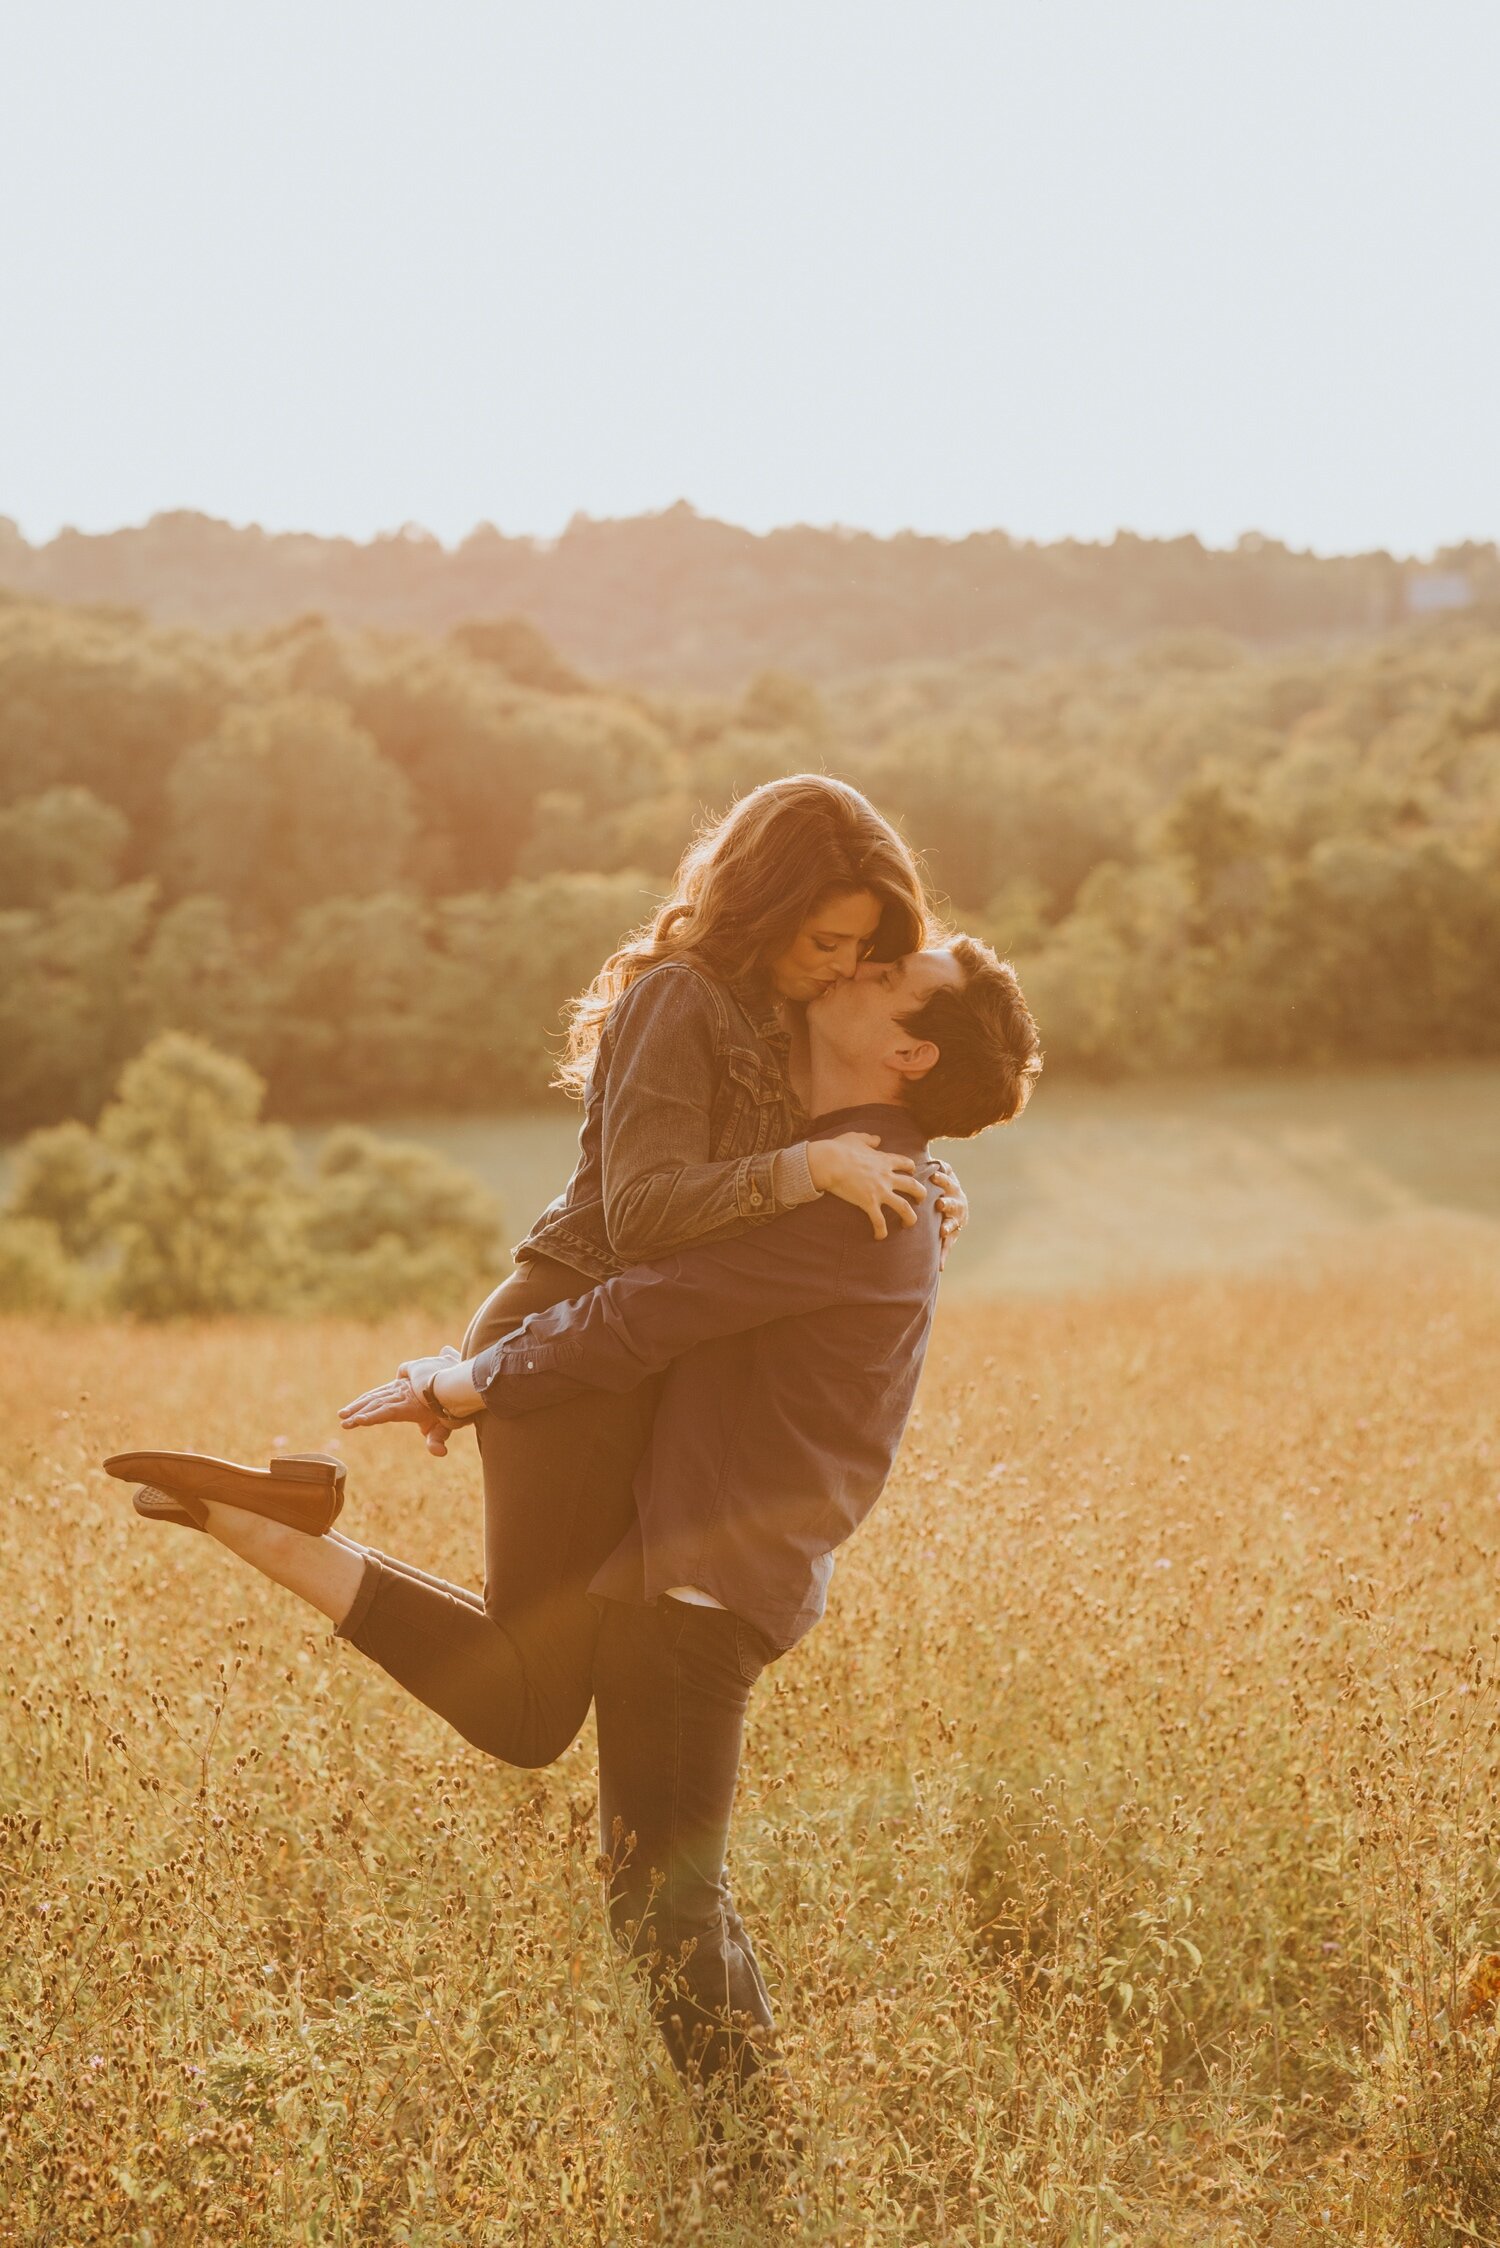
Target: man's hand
x,y
399,1401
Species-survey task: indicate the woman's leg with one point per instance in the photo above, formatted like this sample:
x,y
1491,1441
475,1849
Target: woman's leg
x,y
516,1675
325,1572
513,1691
408,1569
512,1673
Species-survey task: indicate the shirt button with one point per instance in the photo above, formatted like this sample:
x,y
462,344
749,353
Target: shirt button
x,y
531,1365
756,1199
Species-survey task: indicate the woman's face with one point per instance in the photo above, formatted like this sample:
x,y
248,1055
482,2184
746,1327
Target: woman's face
x,y
831,943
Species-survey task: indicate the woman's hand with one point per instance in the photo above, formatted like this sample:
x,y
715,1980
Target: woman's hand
x,y
399,1401
953,1205
853,1168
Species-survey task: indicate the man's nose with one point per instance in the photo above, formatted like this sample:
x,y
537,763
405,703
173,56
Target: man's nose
x,y
867,970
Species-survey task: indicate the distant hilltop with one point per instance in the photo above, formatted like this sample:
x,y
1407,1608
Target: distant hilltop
x,y
682,600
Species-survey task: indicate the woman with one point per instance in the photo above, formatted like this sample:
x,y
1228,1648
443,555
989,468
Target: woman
x,y
690,1050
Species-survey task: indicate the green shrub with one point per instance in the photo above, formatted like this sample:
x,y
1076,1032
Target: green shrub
x,y
36,1273
388,1222
183,1201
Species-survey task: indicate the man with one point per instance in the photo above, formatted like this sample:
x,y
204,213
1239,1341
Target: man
x,y
792,1355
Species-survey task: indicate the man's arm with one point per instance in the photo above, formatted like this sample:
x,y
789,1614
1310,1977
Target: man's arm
x,y
615,1335
637,1323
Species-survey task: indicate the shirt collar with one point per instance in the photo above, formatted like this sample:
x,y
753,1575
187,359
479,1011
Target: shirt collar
x,y
898,1130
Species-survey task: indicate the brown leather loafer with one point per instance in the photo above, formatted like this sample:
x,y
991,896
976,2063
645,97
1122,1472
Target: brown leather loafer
x,y
305,1490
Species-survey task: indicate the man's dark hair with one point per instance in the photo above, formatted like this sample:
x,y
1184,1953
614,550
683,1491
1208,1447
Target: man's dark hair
x,y
989,1052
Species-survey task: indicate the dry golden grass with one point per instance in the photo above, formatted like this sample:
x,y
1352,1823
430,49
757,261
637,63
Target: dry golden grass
x,y
1122,1849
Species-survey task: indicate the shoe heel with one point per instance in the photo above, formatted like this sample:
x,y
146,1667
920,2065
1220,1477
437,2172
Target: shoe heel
x,y
310,1467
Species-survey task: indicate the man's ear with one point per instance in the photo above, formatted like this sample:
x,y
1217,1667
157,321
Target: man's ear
x,y
914,1057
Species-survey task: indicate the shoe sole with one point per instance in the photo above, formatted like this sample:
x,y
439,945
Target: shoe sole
x,y
306,1492
159,1506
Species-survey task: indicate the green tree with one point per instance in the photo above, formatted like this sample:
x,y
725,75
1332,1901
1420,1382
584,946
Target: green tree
x,y
64,839
35,1272
202,1204
360,1012
101,700
475,773
67,976
524,655
200,971
514,961
288,802
60,1174
389,1223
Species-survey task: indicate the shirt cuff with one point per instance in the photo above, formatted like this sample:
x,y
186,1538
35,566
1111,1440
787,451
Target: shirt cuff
x,y
499,1373
791,1177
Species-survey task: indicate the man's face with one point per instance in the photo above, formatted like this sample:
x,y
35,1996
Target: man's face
x,y
859,1020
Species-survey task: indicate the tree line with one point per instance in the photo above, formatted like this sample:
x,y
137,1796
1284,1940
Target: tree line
x,y
374,866
677,598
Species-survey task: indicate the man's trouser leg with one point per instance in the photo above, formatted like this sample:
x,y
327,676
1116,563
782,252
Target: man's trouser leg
x,y
671,1682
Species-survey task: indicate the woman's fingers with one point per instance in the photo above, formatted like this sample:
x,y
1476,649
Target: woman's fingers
x,y
895,1198
359,1400
383,1392
378,1408
899,1192
392,1401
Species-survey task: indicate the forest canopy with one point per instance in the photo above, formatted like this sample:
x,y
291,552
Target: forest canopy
x,y
374,866
676,599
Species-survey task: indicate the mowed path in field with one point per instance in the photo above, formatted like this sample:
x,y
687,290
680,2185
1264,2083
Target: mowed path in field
x,y
1099,1187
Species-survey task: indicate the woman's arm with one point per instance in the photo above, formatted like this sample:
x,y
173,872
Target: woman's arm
x,y
662,1187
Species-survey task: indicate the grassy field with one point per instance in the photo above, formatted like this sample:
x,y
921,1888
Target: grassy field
x,y
1122,1848
1107,1185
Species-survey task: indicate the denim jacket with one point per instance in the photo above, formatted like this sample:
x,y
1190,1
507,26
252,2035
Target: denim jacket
x,y
687,1120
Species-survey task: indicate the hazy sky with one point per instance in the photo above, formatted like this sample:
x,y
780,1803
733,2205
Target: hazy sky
x,y
1057,265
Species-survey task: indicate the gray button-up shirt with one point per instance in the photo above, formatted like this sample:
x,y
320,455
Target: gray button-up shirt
x,y
794,1353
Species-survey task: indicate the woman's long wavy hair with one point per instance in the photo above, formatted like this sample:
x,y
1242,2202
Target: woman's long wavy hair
x,y
746,886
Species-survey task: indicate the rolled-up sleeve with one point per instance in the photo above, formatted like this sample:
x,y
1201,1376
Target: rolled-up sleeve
x,y
662,1189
